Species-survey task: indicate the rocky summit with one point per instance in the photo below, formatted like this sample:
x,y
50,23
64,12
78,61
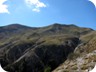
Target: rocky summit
x,y
53,48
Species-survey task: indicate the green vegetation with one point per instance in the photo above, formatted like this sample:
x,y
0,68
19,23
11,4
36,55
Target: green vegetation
x,y
47,69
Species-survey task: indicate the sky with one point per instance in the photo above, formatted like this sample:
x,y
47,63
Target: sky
x,y
38,13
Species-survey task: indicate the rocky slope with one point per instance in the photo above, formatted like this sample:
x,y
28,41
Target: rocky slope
x,y
83,59
30,49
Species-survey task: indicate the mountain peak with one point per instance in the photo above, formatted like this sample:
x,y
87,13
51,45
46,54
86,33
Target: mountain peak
x,y
57,24
66,25
15,26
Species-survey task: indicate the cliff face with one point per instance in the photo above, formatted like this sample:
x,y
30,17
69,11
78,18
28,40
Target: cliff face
x,y
83,58
30,49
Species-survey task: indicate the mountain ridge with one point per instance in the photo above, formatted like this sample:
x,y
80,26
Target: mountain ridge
x,y
33,49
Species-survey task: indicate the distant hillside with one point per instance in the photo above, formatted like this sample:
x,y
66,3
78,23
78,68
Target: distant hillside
x,y
39,49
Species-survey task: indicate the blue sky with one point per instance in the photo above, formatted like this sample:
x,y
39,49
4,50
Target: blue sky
x,y
38,13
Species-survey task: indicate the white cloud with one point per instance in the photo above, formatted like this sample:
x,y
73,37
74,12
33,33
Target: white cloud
x,y
36,5
36,10
3,7
94,2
